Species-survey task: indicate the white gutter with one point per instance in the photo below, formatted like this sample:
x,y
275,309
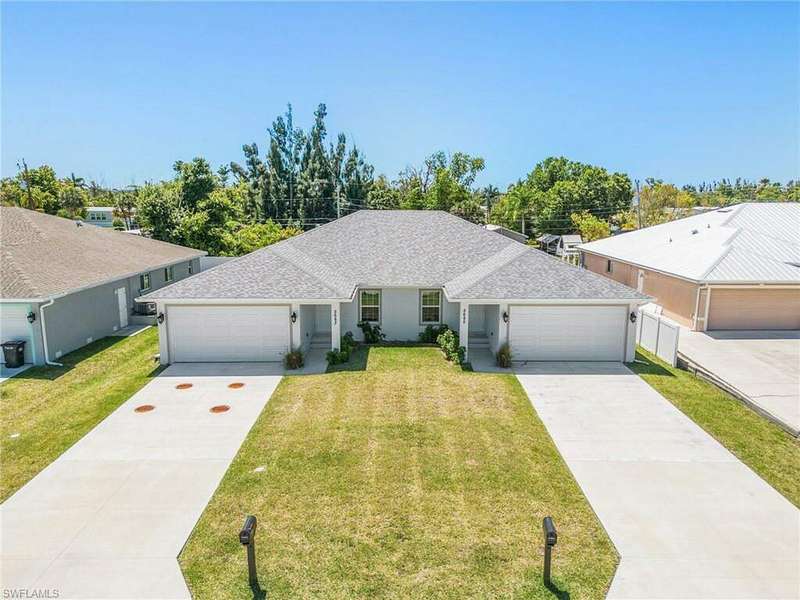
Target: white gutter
x,y
47,360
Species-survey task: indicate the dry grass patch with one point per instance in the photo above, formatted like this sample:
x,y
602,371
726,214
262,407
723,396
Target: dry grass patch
x,y
410,479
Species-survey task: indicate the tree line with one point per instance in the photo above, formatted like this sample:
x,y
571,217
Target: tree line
x,y
301,180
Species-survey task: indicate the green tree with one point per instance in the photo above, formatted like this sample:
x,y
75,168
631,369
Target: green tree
x,y
470,209
125,204
660,202
249,238
159,212
197,181
209,226
73,196
558,187
590,227
382,195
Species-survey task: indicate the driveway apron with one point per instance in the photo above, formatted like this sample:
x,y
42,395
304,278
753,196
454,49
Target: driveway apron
x,y
688,519
108,518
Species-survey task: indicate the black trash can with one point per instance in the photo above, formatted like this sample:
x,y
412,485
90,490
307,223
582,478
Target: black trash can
x,y
14,353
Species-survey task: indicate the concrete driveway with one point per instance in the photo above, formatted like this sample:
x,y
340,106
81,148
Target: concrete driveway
x,y
763,366
687,517
108,518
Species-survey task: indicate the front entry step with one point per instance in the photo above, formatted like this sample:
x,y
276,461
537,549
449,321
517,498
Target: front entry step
x,y
478,341
321,341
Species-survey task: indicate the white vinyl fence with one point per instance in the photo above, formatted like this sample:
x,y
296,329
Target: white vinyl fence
x,y
658,334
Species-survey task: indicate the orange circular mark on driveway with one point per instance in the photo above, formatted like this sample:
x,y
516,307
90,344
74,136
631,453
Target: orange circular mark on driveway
x,y
183,386
144,408
220,408
236,386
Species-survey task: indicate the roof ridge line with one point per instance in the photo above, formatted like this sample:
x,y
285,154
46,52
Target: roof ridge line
x,y
308,264
485,268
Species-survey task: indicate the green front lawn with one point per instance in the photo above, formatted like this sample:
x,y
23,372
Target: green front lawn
x,y
409,479
53,407
761,445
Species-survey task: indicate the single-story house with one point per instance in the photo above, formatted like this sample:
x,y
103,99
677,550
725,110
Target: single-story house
x,y
402,270
548,242
102,216
568,245
64,284
509,233
736,267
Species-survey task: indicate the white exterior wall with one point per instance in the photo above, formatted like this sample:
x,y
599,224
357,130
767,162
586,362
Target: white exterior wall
x,y
477,318
400,314
348,312
306,322
323,318
492,317
14,326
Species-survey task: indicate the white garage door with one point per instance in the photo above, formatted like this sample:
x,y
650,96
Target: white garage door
x,y
228,333
567,332
14,326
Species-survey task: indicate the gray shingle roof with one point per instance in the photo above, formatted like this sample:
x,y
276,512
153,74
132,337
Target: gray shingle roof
x,y
535,275
395,249
43,255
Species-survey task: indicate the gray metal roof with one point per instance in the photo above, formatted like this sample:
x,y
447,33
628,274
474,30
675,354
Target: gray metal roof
x,y
392,249
44,256
745,243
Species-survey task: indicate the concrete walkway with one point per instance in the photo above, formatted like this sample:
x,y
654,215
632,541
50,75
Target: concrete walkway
x,y
108,518
8,372
764,366
687,517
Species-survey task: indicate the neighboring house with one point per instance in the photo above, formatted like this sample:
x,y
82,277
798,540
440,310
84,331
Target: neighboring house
x,y
402,270
64,284
732,268
102,216
568,245
209,262
548,242
509,233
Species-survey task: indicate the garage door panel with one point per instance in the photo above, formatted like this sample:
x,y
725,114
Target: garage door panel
x,y
579,333
754,309
228,333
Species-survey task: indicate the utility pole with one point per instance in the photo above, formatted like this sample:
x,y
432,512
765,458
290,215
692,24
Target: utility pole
x,y
26,177
638,204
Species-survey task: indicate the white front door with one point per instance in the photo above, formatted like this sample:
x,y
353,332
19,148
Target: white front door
x,y
579,333
122,303
233,333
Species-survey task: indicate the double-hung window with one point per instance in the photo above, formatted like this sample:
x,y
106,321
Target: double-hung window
x,y
430,306
144,281
370,306
169,274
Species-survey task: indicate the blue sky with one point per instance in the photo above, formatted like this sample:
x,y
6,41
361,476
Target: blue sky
x,y
684,92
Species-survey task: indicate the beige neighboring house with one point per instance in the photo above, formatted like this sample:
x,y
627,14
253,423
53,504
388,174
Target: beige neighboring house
x,y
735,268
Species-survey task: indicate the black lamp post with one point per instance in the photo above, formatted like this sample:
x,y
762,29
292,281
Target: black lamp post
x,y
31,317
